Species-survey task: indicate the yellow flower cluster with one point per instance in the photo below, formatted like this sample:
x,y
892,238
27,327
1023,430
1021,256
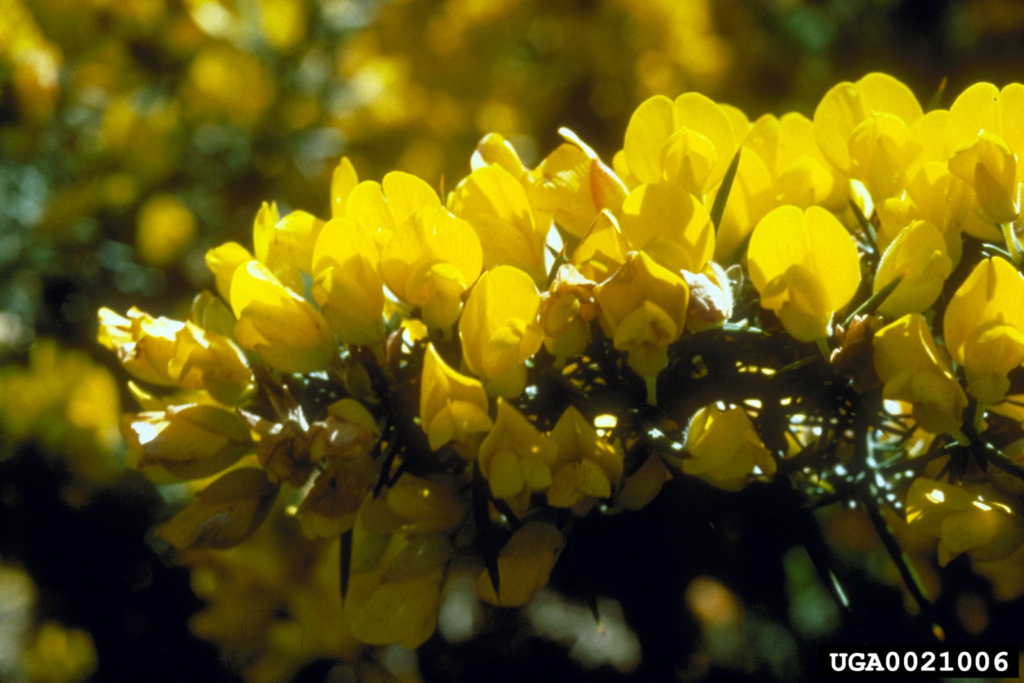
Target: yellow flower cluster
x,y
424,367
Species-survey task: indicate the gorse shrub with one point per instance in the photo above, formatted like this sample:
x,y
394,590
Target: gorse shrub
x,y
448,379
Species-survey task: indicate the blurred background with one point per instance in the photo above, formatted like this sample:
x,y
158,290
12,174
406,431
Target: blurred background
x,y
136,134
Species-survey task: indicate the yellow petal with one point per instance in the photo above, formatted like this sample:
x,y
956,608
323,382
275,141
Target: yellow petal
x,y
992,293
807,249
348,285
670,225
700,114
602,250
441,388
496,205
510,455
225,513
407,194
649,129
504,298
343,181
287,332
222,262
524,565
974,110
918,255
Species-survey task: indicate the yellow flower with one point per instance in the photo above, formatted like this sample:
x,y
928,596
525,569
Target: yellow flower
x,y
68,404
285,245
430,261
495,149
395,596
453,407
918,255
347,431
223,261
574,185
989,167
750,198
348,285
973,521
780,164
863,129
805,266
602,250
188,441
689,142
669,225
496,205
566,311
724,450
643,309
226,81
332,504
283,22
586,467
275,322
223,514
916,371
499,329
414,505
514,457
984,136
800,174
380,208
171,353
984,327
937,196
524,565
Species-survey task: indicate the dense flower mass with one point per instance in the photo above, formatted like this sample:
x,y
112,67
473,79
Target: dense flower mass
x,y
443,380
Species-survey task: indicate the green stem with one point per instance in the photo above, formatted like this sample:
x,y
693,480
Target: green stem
x,y
1012,245
874,301
910,578
823,347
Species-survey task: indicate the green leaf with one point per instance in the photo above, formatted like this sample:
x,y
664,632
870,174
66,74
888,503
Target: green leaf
x,y
874,301
718,208
865,224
